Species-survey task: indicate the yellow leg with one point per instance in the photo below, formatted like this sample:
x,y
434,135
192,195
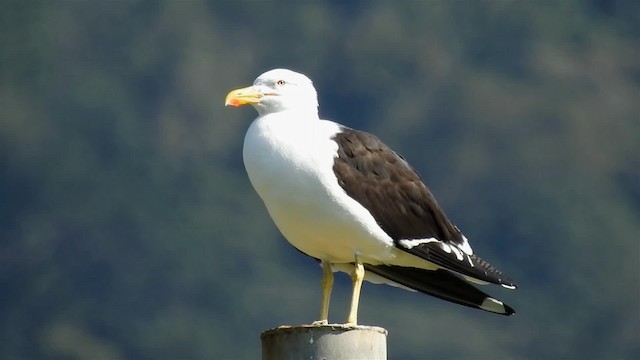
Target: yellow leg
x,y
327,285
357,276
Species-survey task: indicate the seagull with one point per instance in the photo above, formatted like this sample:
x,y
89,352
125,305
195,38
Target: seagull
x,y
344,198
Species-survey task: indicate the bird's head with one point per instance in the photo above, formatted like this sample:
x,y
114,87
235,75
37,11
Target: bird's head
x,y
277,90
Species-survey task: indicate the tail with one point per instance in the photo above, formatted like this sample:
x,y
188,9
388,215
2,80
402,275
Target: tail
x,y
441,284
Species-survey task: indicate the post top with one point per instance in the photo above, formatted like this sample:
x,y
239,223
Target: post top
x,y
325,328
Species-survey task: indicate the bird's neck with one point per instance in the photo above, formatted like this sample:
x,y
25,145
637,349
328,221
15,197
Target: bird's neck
x,y
295,114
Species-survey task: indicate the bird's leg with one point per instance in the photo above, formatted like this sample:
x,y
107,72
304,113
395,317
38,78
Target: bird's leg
x,y
356,276
327,285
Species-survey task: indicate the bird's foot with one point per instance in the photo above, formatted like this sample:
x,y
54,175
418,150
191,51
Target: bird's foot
x,y
320,322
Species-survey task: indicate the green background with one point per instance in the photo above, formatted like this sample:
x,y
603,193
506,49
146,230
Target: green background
x,y
129,230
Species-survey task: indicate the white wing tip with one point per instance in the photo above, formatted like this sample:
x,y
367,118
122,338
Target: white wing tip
x,y
493,305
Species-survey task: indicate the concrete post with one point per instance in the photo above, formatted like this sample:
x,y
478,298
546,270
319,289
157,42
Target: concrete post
x,y
324,342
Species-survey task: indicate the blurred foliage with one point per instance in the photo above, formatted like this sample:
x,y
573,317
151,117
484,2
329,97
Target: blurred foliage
x,y
128,229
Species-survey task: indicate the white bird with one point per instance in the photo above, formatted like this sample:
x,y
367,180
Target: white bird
x,y
344,198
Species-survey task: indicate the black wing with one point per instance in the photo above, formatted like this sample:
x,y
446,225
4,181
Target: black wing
x,y
383,182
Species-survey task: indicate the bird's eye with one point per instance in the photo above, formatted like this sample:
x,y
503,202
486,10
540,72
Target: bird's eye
x,y
280,82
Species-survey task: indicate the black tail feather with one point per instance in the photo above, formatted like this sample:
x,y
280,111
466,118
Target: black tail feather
x,y
441,284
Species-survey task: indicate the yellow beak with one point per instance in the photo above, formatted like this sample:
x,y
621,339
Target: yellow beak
x,y
242,96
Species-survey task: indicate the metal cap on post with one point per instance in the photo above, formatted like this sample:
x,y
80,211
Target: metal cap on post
x,y
328,342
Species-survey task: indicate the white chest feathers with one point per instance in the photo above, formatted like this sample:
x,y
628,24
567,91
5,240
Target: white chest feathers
x,y
289,161
282,152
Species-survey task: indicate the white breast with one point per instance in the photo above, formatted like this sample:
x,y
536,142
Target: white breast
x,y
290,164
